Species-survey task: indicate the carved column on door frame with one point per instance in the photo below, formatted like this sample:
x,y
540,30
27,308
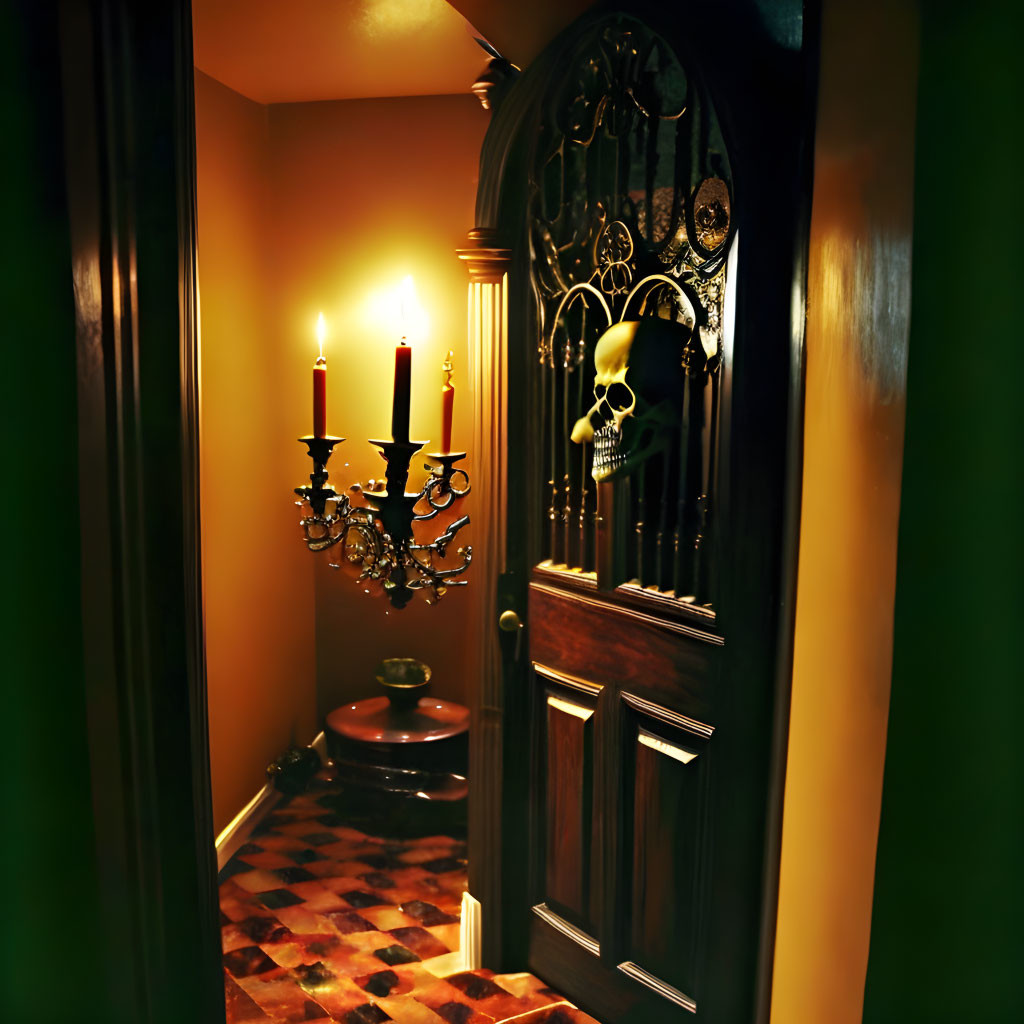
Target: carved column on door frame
x,y
488,316
488,334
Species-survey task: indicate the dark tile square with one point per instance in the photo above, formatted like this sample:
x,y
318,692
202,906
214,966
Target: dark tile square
x,y
290,875
380,984
379,861
248,960
443,865
475,986
427,914
313,1011
348,921
368,1013
275,898
274,819
357,898
322,944
332,820
248,848
559,1016
375,880
313,975
420,941
306,856
454,1013
233,867
319,838
263,929
392,955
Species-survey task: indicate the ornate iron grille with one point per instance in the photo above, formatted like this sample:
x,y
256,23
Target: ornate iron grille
x,y
630,219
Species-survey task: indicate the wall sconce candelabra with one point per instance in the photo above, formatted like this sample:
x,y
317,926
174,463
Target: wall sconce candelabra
x,y
378,541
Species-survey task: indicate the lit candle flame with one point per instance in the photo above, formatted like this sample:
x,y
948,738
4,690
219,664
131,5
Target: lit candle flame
x,y
321,333
406,305
394,310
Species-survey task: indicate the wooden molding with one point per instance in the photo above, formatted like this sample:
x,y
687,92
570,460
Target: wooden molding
x,y
235,833
652,710
564,679
628,593
488,342
657,985
570,931
486,262
662,746
567,707
632,613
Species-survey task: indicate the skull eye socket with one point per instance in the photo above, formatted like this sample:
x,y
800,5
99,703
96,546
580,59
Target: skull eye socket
x,y
619,396
599,390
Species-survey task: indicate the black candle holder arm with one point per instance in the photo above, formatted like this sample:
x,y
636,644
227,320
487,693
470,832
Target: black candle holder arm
x,y
446,484
378,537
440,545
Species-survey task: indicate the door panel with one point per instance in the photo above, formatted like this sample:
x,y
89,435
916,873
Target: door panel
x,y
568,804
669,840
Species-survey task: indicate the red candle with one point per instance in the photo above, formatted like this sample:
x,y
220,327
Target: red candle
x,y
320,384
447,405
403,384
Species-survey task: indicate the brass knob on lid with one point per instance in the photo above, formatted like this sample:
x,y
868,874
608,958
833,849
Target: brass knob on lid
x,y
509,622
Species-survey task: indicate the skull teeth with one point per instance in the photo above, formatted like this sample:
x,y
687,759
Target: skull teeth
x,y
607,457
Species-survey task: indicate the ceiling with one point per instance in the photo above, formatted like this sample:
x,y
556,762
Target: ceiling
x,y
520,29
292,51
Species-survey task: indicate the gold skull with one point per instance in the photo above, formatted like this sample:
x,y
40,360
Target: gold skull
x,y
633,418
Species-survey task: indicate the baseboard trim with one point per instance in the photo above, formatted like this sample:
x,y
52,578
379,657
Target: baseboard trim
x,y
238,830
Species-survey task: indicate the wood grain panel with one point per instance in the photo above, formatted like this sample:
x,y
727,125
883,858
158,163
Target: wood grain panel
x,y
665,910
642,655
568,786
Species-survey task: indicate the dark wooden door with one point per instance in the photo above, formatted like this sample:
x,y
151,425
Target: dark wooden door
x,y
653,207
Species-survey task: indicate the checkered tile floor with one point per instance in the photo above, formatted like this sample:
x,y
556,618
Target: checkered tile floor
x,y
321,922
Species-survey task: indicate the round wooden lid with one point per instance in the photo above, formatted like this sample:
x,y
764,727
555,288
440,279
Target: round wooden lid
x,y
376,720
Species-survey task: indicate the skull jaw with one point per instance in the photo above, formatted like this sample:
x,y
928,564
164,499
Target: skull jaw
x,y
608,455
618,452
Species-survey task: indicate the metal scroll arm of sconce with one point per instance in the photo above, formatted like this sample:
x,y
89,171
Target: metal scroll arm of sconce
x,y
376,540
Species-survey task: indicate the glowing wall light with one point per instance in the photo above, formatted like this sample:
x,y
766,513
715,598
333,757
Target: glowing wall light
x,y
376,539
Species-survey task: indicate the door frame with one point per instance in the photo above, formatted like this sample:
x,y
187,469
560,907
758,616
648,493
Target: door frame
x,y
129,127
500,788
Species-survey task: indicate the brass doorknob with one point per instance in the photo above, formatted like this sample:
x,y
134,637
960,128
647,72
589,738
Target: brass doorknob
x,y
508,621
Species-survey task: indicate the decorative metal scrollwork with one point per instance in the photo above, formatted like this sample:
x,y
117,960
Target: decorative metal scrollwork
x,y
377,541
630,218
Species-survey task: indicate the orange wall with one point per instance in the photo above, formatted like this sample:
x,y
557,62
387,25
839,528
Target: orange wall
x,y
858,316
365,192
257,580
